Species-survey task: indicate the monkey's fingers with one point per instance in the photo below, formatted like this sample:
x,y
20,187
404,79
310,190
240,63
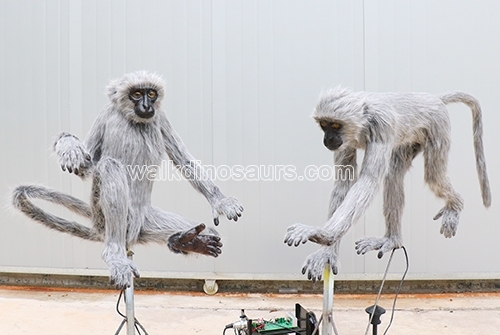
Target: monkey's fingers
x,y
215,216
135,270
199,228
235,213
297,234
209,245
214,250
335,269
295,240
190,234
439,214
310,269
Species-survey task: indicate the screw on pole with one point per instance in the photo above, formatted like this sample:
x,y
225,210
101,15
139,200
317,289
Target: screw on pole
x,y
374,313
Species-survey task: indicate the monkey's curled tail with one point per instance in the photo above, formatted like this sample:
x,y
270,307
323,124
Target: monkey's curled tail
x,y
21,199
477,128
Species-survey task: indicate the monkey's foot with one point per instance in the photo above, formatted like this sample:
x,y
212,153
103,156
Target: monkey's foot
x,y
121,271
383,244
449,224
301,233
315,263
191,241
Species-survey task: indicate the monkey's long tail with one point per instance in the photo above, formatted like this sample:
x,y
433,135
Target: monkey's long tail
x,y
477,128
21,199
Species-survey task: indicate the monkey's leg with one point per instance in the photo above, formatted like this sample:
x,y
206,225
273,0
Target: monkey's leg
x,y
112,192
435,164
394,198
180,234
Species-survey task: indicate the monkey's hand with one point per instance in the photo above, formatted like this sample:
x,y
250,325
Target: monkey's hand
x,y
191,241
73,156
301,233
315,263
228,206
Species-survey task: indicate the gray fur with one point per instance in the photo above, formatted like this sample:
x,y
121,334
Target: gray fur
x,y
120,207
392,128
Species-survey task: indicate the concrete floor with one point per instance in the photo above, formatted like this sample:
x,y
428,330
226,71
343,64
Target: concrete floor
x,y
59,311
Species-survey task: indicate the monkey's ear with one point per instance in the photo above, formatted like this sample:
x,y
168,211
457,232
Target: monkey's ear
x,y
112,90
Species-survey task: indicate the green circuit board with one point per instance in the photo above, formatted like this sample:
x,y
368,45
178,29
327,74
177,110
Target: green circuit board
x,y
274,324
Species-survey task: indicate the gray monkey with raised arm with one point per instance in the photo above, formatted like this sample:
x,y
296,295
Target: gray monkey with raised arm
x,y
392,128
132,130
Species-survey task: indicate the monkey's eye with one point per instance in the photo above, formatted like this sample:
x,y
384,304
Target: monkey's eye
x,y
152,94
336,126
137,94
323,124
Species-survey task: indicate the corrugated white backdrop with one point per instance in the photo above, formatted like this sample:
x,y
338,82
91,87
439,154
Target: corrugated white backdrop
x,y
242,80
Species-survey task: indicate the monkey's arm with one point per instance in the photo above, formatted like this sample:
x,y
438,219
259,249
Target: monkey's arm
x,y
354,205
357,199
361,194
196,175
346,174
77,157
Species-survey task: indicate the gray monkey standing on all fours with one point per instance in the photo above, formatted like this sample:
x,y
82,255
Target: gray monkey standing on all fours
x,y
132,130
392,128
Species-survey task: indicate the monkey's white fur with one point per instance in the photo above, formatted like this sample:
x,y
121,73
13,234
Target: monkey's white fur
x,y
392,128
120,207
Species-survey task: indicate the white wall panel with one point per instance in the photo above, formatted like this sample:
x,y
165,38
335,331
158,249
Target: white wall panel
x,y
242,80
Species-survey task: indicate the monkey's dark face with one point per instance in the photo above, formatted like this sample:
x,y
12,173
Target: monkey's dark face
x,y
333,134
143,99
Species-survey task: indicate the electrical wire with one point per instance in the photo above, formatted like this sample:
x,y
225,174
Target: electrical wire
x,y
397,290
118,305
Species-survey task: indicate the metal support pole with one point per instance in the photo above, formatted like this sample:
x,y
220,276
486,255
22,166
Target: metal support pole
x,y
129,317
129,302
327,326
